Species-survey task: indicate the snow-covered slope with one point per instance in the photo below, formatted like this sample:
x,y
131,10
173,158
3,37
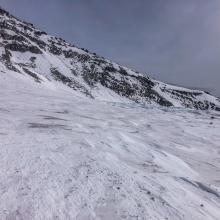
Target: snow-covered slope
x,y
75,146
69,157
29,51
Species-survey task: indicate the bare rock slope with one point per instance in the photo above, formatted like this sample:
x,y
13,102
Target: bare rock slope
x,y
30,51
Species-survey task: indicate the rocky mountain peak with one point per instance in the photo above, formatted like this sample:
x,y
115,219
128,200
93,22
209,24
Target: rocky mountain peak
x,y
33,53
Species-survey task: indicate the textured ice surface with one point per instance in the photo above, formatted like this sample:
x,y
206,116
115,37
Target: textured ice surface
x,y
64,156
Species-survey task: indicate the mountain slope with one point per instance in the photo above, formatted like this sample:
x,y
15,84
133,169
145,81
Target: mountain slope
x,y
75,146
69,157
29,51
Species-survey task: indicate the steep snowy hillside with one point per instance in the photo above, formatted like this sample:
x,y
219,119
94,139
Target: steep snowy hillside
x,y
29,51
69,157
75,146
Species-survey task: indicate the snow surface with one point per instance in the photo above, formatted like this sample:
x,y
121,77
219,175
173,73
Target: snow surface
x,y
65,157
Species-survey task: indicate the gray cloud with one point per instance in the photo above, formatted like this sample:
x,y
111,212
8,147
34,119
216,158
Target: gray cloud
x,y
174,40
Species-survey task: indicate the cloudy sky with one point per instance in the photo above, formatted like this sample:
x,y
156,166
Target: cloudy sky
x,y
176,41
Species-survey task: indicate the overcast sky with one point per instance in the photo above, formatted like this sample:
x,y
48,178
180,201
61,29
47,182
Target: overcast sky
x,y
176,41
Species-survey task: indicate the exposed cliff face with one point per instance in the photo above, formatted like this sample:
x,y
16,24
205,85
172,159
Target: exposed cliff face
x,y
26,50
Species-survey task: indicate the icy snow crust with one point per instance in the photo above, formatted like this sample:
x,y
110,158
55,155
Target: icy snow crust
x,y
66,157
75,146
